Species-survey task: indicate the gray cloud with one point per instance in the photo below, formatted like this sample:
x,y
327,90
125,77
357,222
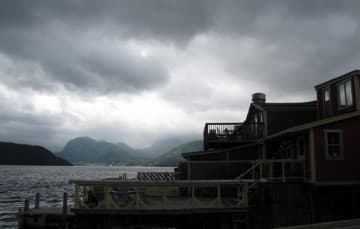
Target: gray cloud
x,y
280,47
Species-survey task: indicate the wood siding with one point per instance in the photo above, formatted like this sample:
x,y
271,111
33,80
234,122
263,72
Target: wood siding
x,y
346,169
335,110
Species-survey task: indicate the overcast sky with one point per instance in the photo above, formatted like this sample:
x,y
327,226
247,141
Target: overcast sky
x,y
138,71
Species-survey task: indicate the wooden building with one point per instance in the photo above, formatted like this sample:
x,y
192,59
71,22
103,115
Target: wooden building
x,y
286,164
304,156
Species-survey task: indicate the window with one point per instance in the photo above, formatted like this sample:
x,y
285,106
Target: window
x,y
300,147
326,95
333,144
345,94
327,104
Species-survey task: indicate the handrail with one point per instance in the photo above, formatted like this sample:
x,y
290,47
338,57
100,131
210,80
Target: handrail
x,y
267,168
232,132
169,195
247,171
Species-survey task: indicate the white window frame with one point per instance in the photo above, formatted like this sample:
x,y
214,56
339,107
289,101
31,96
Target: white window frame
x,y
341,145
347,104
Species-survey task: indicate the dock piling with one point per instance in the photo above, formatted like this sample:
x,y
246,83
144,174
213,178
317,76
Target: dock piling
x,y
64,204
26,205
37,200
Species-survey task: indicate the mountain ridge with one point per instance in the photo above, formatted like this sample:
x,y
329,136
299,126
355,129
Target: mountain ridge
x,y
23,154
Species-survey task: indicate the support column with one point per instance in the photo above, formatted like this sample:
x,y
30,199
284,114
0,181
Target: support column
x,y
218,196
37,200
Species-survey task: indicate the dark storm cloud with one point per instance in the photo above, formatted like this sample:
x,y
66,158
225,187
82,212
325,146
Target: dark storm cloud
x,y
300,31
301,43
29,128
60,38
282,47
173,20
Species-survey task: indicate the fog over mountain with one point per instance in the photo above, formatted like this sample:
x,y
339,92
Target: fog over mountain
x,y
142,71
85,150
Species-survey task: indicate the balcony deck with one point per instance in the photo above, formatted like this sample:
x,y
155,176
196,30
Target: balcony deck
x,y
231,133
134,195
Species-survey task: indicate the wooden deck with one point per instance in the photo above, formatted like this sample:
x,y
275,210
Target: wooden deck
x,y
155,195
343,224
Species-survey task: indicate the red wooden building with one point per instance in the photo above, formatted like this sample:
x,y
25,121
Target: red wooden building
x,y
303,156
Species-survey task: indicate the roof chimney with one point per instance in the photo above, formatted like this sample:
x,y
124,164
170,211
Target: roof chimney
x,y
258,98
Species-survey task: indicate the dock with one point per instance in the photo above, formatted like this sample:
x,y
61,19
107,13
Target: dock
x,y
146,204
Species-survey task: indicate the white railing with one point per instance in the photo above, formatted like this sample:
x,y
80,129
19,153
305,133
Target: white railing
x,y
132,195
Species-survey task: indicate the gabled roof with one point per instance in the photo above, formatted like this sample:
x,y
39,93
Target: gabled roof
x,y
339,78
287,106
206,152
303,106
310,125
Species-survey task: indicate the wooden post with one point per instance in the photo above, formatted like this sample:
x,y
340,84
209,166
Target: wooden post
x,y
26,205
271,170
64,210
218,196
20,219
245,195
188,171
64,204
283,170
137,197
164,198
77,198
253,171
193,195
107,196
37,200
261,168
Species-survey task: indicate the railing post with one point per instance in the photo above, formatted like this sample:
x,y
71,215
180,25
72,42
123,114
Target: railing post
x,y
37,200
26,205
218,196
107,196
304,169
64,210
205,136
137,197
193,195
283,170
164,197
271,170
245,194
253,171
261,168
77,199
188,170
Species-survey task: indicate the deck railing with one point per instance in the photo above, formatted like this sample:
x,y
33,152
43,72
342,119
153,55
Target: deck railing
x,y
275,170
232,132
270,169
142,195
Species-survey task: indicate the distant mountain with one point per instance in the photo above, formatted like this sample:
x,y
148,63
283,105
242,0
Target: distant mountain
x,y
19,154
88,150
164,145
173,156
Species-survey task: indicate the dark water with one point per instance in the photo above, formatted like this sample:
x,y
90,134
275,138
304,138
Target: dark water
x,y
20,182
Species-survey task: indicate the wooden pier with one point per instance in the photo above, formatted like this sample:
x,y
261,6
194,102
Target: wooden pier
x,y
147,204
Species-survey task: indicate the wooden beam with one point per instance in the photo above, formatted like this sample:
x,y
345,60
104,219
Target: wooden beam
x,y
218,196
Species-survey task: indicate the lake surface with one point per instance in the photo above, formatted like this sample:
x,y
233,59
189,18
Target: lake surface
x,y
20,182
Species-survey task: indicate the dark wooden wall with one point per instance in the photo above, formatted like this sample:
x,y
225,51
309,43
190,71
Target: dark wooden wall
x,y
347,169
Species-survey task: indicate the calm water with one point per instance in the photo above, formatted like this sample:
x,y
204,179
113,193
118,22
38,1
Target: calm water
x,y
20,182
